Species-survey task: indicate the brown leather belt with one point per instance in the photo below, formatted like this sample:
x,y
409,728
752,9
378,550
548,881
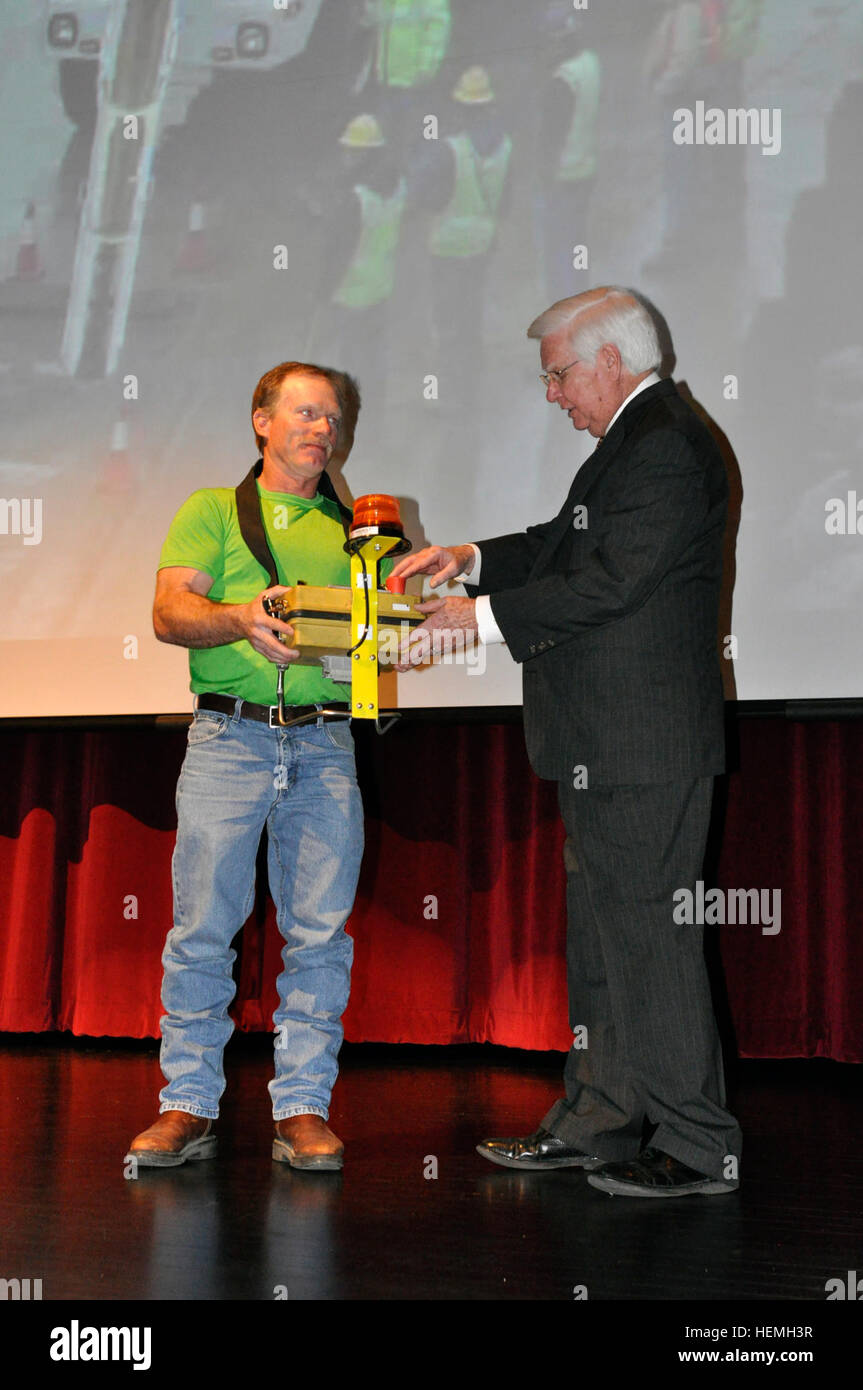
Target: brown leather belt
x,y
269,714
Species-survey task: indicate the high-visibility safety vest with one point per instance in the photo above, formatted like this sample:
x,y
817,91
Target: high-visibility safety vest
x,y
370,276
578,156
412,39
467,226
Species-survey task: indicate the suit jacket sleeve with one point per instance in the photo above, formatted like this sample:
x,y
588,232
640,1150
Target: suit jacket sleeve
x,y
657,505
510,556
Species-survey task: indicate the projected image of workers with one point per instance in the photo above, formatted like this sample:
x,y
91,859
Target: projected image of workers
x,y
566,151
409,41
697,54
361,223
464,185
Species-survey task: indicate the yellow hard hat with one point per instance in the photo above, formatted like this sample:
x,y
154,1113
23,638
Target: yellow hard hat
x,y
473,87
362,133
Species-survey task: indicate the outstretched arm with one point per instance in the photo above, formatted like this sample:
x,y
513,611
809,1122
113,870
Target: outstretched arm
x,y
185,617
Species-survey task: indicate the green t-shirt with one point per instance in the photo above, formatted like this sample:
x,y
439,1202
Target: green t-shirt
x,y
306,538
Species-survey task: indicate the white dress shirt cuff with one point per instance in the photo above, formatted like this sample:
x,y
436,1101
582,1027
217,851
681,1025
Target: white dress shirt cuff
x,y
487,629
473,577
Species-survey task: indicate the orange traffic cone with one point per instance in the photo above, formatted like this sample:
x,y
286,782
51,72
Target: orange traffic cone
x,y
195,251
29,263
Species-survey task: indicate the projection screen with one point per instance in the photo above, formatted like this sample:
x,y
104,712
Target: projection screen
x,y
185,186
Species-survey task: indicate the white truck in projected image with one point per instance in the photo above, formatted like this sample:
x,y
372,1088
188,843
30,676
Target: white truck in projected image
x,y
153,57
229,33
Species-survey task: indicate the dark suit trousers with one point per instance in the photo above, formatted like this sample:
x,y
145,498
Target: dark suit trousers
x,y
637,980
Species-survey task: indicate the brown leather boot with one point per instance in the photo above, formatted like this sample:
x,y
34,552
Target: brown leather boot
x,y
305,1141
175,1138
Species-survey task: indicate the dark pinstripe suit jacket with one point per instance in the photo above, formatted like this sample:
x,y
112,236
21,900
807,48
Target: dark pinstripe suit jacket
x,y
616,624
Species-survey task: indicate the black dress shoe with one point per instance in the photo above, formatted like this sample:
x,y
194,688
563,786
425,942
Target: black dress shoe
x,y
655,1174
539,1150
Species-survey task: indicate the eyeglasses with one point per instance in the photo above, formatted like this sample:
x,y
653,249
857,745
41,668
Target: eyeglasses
x,y
556,374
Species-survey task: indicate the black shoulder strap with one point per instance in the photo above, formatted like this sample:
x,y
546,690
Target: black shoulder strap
x,y
326,489
251,523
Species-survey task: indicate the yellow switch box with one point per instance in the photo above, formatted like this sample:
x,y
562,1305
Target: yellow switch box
x,y
321,619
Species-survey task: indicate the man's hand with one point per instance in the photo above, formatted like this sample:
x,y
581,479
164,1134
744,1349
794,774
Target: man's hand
x,y
441,562
449,615
259,629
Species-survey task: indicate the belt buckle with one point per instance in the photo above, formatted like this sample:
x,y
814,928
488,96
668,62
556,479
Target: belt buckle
x,y
274,717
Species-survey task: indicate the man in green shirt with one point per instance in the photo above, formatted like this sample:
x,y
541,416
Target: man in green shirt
x,y
244,771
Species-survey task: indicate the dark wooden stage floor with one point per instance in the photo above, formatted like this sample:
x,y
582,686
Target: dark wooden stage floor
x,y
244,1228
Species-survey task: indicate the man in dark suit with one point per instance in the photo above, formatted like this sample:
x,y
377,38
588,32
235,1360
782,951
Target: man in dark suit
x,y
612,609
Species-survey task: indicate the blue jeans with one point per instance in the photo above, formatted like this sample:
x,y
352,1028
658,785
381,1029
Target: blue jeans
x,y
237,777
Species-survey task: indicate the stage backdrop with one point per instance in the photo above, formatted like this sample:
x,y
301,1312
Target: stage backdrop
x,y
459,921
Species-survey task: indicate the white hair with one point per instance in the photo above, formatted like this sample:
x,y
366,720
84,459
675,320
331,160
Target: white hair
x,y
623,320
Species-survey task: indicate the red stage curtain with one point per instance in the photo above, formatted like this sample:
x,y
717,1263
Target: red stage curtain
x,y
459,920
